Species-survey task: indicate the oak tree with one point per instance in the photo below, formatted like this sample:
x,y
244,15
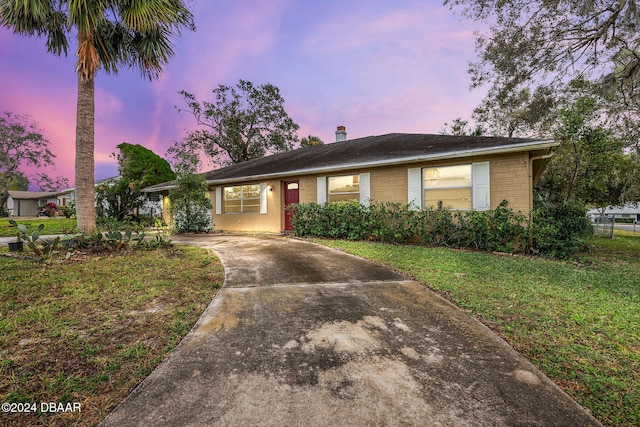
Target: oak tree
x,y
554,44
21,144
243,122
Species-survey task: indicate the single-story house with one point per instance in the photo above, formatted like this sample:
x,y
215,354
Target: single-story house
x,y
450,172
631,211
152,204
28,203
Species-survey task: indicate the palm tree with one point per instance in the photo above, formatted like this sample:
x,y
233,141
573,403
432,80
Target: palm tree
x,y
110,34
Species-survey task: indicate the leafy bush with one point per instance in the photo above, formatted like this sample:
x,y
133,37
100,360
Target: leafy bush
x,y
190,207
67,211
497,230
49,209
560,229
624,220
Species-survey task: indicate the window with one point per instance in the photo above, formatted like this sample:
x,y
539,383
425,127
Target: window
x,y
242,199
447,187
153,197
344,188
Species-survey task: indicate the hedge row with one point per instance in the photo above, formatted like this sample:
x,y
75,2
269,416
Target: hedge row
x,y
500,230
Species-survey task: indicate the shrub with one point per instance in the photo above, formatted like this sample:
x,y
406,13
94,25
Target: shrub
x,y
560,229
49,209
338,220
391,222
624,220
68,210
190,207
498,230
501,230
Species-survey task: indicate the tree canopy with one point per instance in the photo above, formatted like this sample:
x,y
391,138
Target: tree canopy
x,y
21,144
139,167
243,122
19,182
311,141
585,47
142,166
110,34
48,183
590,164
460,127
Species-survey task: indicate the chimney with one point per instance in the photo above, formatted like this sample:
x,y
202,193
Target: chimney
x,y
341,134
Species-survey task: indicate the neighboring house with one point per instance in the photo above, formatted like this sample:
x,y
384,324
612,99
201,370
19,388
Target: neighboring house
x,y
66,197
451,172
28,203
152,204
627,211
151,207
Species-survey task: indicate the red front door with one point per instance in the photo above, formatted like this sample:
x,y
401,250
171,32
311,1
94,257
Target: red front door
x,y
291,195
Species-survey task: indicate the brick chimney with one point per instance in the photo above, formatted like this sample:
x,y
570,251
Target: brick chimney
x,y
341,134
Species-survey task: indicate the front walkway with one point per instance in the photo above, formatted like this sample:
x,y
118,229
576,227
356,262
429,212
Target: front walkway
x,y
306,335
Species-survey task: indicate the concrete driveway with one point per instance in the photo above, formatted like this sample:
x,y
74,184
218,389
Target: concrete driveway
x,y
302,335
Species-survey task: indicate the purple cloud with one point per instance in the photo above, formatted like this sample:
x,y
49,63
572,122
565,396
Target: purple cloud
x,y
375,67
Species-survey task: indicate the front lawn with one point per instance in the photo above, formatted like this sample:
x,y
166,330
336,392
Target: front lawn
x,y
87,330
578,321
56,225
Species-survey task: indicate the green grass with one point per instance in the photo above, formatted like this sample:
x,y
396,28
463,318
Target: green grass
x,y
578,321
57,225
89,329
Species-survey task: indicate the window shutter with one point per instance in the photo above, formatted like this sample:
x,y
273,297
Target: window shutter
x,y
480,179
322,190
365,188
263,198
414,181
218,200
210,214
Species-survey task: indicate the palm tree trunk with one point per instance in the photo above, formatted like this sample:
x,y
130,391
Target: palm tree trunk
x,y
85,191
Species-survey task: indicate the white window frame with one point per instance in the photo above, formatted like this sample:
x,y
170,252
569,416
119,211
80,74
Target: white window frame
x,y
480,186
455,187
364,188
221,201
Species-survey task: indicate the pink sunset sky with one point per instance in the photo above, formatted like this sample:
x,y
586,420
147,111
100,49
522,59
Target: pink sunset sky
x,y
375,67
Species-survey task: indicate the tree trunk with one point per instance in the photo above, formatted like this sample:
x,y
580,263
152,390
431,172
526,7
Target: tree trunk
x,y
85,191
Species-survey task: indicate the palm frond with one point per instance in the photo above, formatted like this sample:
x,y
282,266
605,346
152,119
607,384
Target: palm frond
x,y
25,17
111,33
149,15
37,18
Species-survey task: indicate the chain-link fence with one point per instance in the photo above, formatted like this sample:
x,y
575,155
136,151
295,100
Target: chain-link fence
x,y
603,226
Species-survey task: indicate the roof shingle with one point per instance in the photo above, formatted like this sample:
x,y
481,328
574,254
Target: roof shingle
x,y
390,148
386,149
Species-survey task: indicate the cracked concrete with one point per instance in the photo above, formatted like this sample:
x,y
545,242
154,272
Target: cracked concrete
x,y
304,335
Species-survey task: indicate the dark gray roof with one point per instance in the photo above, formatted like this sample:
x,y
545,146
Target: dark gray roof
x,y
393,148
31,195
